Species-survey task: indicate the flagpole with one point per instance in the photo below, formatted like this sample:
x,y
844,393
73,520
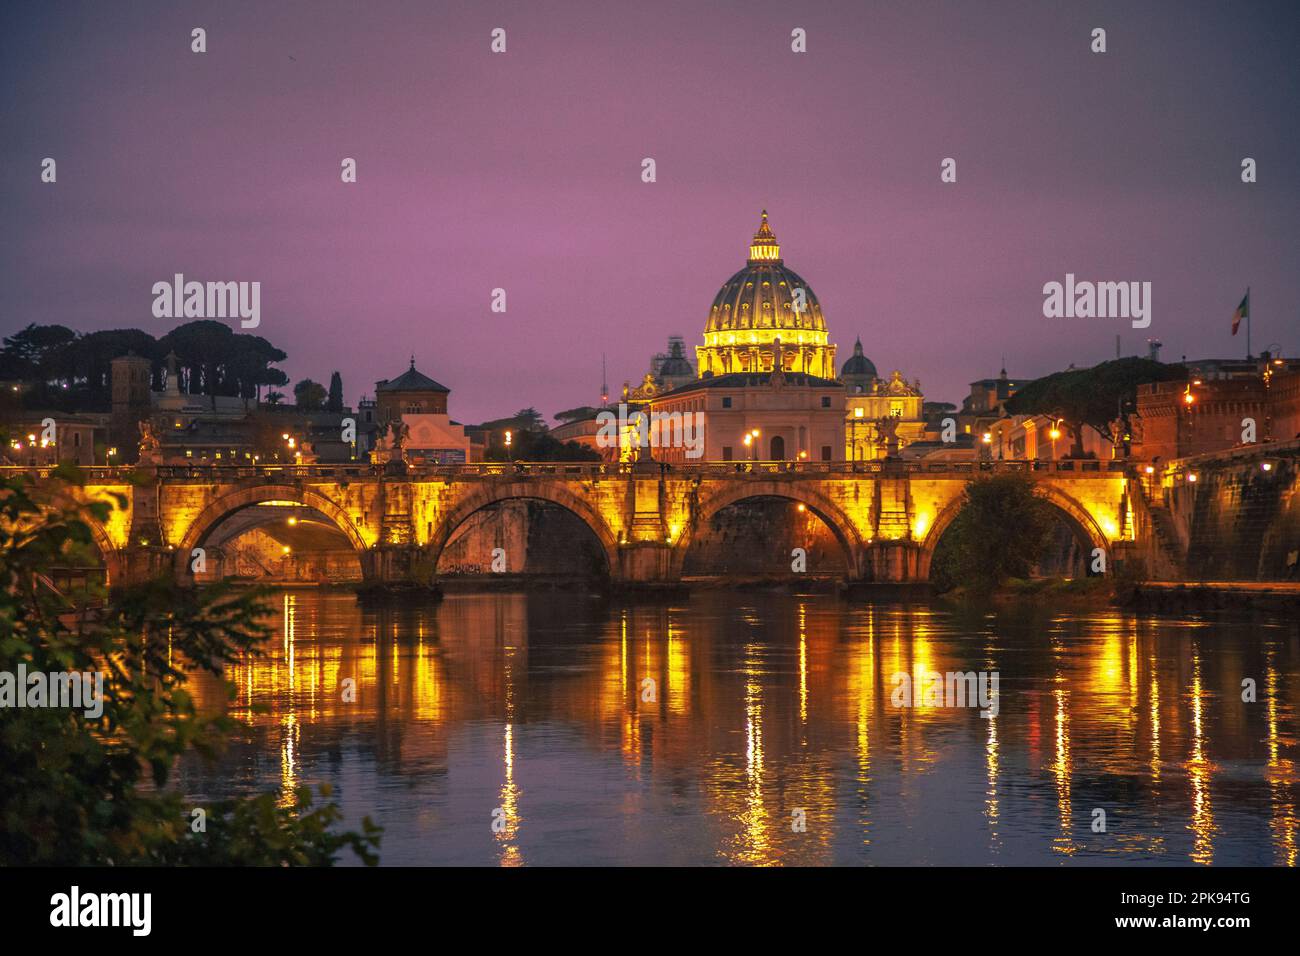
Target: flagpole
x,y
1248,311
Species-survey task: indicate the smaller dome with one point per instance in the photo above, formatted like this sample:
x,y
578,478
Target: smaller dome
x,y
675,365
859,366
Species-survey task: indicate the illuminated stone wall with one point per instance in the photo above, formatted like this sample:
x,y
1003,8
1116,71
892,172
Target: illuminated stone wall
x,y
1239,521
644,521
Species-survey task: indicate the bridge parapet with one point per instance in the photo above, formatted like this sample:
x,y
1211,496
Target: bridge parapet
x,y
96,474
887,515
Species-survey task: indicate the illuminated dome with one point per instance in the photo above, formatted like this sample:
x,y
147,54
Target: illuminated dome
x,y
764,310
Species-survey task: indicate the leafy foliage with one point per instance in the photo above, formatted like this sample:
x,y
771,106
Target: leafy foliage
x,y
64,370
539,446
309,395
1090,397
1000,533
82,790
526,419
335,401
576,414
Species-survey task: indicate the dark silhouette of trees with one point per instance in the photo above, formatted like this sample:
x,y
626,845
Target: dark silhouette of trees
x,y
1000,533
576,414
1094,397
335,401
309,395
61,369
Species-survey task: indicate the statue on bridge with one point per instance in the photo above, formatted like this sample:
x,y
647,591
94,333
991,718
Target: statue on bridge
x,y
887,434
150,446
390,448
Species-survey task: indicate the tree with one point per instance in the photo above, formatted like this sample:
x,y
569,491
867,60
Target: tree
x,y
248,366
38,353
540,446
1093,397
90,785
530,419
335,401
202,348
93,354
309,395
1001,532
576,414
221,362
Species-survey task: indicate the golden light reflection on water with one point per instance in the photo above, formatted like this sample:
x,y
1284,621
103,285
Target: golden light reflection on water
x,y
1199,771
770,709
1281,771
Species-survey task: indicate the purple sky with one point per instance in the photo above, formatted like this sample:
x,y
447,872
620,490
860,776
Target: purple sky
x,y
522,171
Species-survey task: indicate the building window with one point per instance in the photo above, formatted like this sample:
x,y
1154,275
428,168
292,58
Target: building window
x,y
826,452
726,453
826,401
726,402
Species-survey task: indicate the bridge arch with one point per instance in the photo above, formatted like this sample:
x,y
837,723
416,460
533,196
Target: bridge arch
x,y
97,531
1077,518
227,504
554,493
109,552
830,513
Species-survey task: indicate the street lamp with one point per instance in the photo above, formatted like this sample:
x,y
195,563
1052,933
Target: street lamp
x,y
754,434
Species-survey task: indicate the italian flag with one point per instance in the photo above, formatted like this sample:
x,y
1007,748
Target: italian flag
x,y
1243,312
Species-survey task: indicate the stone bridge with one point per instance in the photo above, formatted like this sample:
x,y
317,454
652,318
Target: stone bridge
x,y
887,516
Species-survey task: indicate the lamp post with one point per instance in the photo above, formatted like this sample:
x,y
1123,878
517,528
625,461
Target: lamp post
x,y
754,445
509,439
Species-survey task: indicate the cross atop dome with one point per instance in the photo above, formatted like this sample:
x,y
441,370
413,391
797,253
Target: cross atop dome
x,y
764,248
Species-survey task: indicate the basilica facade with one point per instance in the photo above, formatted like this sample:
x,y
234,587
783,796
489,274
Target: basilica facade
x,y
766,386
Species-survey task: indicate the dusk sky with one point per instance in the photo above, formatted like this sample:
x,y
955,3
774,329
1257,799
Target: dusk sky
x,y
522,171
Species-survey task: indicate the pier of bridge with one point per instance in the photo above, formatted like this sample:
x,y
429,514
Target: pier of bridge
x,y
887,516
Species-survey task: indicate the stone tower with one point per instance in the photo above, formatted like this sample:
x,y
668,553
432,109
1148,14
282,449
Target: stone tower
x,y
132,403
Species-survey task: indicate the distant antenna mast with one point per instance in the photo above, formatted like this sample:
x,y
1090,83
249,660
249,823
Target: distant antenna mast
x,y
604,386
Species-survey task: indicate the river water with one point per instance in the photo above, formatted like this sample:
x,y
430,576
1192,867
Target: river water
x,y
758,728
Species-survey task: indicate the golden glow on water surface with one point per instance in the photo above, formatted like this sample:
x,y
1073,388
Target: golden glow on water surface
x,y
765,706
1281,774
1199,770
